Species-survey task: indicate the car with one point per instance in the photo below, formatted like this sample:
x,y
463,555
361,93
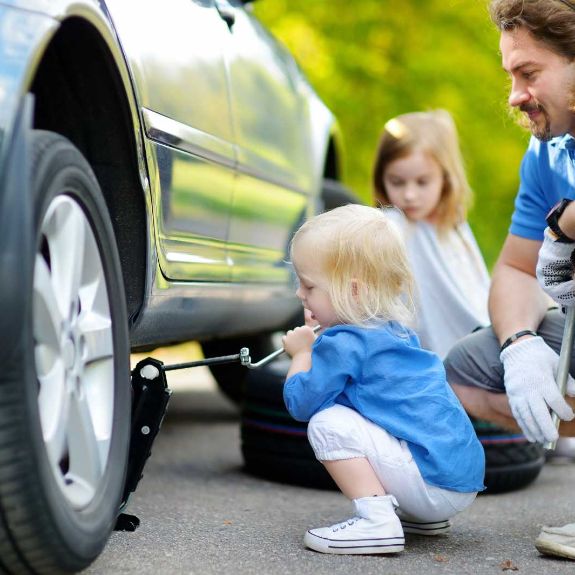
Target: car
x,y
155,160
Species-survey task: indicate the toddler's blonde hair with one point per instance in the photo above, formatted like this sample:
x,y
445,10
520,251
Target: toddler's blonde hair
x,y
360,246
432,132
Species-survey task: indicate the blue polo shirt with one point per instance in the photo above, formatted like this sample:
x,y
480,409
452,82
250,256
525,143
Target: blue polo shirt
x,y
384,374
547,176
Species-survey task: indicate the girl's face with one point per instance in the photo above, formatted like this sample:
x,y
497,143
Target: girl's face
x,y
414,184
312,290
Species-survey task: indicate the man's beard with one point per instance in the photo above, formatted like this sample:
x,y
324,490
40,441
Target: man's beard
x,y
543,132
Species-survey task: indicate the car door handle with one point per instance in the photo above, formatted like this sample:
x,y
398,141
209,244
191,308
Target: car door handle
x,y
227,13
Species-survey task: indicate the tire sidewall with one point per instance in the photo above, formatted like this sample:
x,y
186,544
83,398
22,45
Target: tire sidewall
x,y
84,533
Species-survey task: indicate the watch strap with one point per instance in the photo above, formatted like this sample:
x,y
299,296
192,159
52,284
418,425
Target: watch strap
x,y
516,336
552,220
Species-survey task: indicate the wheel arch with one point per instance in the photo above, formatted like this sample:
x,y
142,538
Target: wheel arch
x,y
80,93
333,165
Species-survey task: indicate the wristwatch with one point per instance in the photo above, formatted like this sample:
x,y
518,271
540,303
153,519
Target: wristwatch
x,y
552,220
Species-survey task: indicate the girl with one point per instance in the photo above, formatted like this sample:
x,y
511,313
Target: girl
x,y
419,169
382,418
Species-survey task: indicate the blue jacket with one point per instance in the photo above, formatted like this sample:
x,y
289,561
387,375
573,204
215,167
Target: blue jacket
x,y
384,374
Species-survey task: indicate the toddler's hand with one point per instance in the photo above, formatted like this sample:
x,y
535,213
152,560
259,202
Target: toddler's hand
x,y
298,340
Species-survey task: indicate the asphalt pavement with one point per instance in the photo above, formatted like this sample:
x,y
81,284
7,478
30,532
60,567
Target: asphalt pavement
x,y
202,514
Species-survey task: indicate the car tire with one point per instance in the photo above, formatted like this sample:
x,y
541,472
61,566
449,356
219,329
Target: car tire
x,y
275,446
511,462
65,411
335,194
231,377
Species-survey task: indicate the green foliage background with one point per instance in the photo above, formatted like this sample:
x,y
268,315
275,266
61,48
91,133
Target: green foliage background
x,y
370,60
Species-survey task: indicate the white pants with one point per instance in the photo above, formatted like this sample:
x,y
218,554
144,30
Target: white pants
x,y
342,433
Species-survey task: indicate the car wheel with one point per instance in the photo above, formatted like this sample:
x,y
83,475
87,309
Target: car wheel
x,y
65,404
334,194
231,378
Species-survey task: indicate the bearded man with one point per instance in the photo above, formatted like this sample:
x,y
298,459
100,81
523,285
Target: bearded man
x,y
506,373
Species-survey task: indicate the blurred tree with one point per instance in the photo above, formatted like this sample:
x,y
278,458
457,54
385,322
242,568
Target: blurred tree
x,y
370,60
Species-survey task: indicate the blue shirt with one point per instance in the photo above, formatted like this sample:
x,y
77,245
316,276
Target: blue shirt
x,y
384,374
547,175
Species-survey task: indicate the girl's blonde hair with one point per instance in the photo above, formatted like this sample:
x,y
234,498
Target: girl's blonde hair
x,y
432,132
361,254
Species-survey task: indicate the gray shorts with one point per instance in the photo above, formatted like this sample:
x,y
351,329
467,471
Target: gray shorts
x,y
474,360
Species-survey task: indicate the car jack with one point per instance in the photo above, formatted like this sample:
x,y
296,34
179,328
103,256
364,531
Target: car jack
x,y
150,397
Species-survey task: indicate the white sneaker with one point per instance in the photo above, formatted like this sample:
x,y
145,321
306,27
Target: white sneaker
x,y
431,528
375,529
557,541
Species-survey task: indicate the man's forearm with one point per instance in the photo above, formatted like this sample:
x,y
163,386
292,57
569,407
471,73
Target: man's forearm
x,y
516,302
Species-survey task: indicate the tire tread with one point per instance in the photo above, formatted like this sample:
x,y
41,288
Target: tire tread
x,y
28,542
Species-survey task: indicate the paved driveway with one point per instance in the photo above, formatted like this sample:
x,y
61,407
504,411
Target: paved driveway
x,y
202,515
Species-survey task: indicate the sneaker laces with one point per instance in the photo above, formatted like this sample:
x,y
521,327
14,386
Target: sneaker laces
x,y
345,523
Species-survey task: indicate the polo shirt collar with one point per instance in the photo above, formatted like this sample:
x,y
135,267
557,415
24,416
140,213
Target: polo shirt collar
x,y
566,142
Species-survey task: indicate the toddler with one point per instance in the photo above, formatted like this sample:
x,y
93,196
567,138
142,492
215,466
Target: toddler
x,y
382,418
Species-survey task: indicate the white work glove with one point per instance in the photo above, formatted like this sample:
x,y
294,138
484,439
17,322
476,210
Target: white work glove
x,y
530,381
555,270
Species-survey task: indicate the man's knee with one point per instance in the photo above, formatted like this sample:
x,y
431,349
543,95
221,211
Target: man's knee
x,y
455,361
474,362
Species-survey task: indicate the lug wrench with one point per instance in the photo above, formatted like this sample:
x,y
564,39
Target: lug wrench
x,y
243,357
564,363
273,355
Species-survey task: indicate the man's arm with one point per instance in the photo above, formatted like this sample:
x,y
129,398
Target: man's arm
x,y
516,301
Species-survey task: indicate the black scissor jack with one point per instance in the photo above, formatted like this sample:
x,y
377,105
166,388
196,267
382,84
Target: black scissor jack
x,y
150,397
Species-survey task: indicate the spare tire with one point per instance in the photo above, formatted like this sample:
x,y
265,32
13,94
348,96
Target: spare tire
x,y
275,446
511,462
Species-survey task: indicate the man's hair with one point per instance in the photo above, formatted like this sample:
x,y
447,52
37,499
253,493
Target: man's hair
x,y
434,133
360,246
549,21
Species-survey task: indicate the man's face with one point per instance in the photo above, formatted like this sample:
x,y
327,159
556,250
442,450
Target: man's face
x,y
542,84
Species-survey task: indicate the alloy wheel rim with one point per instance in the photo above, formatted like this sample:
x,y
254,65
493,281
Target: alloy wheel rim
x,y
73,351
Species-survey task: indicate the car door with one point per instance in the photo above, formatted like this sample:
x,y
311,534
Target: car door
x,y
175,52
274,181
